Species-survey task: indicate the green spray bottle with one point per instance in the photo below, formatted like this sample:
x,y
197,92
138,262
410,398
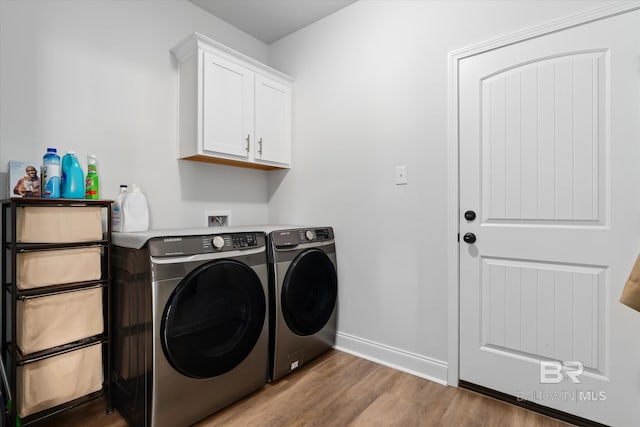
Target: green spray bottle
x,y
92,184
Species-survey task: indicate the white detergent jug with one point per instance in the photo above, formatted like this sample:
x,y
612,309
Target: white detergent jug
x,y
116,209
134,210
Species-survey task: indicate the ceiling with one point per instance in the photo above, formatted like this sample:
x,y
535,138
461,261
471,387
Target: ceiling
x,y
270,20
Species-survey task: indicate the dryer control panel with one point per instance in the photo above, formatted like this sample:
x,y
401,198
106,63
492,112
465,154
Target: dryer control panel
x,y
204,244
301,235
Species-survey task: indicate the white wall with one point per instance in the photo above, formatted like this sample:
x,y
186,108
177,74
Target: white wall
x,y
97,77
371,94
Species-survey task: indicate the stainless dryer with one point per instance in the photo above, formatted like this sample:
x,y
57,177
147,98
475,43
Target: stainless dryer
x,y
303,296
190,323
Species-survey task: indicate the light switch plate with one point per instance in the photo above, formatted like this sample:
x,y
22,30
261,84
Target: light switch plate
x,y
401,175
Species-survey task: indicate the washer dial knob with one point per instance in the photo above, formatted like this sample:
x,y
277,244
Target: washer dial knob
x,y
310,235
218,242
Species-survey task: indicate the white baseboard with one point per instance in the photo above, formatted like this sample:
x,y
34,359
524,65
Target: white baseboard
x,y
411,363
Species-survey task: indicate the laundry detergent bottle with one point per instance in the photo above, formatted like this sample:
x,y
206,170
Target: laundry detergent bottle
x,y
51,174
135,211
117,220
72,177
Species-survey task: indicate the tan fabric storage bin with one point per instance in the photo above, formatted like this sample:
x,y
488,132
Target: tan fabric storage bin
x,y
44,268
53,320
49,382
58,224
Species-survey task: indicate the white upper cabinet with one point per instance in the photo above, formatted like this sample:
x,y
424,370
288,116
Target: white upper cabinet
x,y
232,109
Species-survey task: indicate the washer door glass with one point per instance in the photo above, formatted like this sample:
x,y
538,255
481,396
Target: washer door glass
x,y
309,292
213,319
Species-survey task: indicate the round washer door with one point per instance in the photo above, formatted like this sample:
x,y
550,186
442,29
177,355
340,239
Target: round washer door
x,y
309,292
213,319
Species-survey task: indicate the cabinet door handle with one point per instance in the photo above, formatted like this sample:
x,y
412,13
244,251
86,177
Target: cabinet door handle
x,y
248,139
260,146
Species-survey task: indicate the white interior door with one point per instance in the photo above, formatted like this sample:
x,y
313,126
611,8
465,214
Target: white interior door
x,y
549,149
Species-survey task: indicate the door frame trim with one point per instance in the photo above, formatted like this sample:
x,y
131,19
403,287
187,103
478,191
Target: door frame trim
x,y
453,160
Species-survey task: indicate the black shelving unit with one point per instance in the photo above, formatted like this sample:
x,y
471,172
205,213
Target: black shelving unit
x,y
13,357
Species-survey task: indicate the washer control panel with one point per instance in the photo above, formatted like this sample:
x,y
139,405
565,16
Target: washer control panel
x,y
247,240
302,235
192,245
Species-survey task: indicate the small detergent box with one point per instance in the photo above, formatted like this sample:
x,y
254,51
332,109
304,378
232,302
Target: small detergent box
x,y
24,178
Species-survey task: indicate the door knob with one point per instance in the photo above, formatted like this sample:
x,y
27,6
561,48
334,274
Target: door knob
x,y
469,215
469,238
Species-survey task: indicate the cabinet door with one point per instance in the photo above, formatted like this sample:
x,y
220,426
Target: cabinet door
x,y
273,121
227,110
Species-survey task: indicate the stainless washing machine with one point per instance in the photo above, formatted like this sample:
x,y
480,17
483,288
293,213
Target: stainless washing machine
x,y
190,323
303,293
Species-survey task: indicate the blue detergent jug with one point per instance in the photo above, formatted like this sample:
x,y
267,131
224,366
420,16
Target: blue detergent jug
x,y
72,183
51,174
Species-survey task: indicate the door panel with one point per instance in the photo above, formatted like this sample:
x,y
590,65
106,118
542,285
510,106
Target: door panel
x,y
227,106
549,112
544,309
213,319
273,121
309,292
548,142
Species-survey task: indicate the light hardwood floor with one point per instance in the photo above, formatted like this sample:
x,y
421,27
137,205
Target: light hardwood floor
x,y
338,389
